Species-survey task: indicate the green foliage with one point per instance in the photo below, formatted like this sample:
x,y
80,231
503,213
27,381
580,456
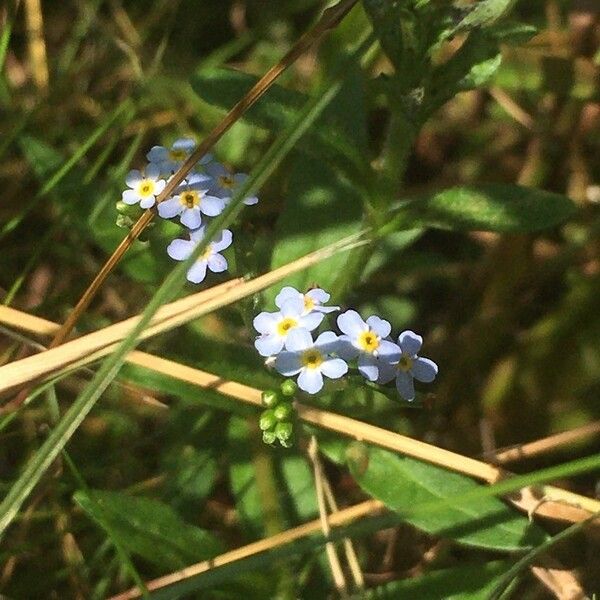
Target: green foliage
x,y
401,482
358,136
335,209
326,139
501,208
146,528
470,582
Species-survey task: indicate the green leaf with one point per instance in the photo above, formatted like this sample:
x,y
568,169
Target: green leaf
x,y
294,482
42,158
320,208
502,208
470,582
402,482
484,13
149,528
327,138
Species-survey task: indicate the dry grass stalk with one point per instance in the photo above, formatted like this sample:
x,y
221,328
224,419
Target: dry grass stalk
x,y
338,519
88,348
545,445
545,501
36,44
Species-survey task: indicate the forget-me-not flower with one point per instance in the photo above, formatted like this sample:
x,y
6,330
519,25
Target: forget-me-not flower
x,y
310,360
313,299
143,187
408,367
366,339
209,259
169,160
275,327
191,200
226,182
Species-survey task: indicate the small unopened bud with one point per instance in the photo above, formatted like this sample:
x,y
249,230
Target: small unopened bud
x,y
283,411
289,388
284,431
270,398
269,437
267,420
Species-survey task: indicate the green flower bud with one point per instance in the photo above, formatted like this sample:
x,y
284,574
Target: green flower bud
x,y
124,221
283,411
270,398
130,210
287,443
267,420
284,431
269,437
289,388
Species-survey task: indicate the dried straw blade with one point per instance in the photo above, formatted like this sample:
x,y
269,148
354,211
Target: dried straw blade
x,y
95,345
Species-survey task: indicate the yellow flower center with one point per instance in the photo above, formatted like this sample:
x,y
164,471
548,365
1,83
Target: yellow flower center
x,y
368,341
285,325
226,181
312,358
206,254
190,198
309,303
178,155
405,363
146,187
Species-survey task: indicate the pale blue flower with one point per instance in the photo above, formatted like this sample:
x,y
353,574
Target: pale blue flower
x,y
169,160
192,199
310,360
408,367
209,259
367,340
275,327
226,183
313,299
144,187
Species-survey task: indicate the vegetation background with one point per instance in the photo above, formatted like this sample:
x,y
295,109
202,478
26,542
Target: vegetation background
x,y
86,88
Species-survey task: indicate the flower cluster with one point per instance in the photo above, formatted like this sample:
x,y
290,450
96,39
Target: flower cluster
x,y
204,193
286,340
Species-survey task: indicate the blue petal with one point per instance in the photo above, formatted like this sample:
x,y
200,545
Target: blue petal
x,y
334,368
268,345
197,272
368,367
298,339
410,342
288,363
310,380
424,369
405,385
266,322
170,208
380,326
180,249
287,292
191,218
351,323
